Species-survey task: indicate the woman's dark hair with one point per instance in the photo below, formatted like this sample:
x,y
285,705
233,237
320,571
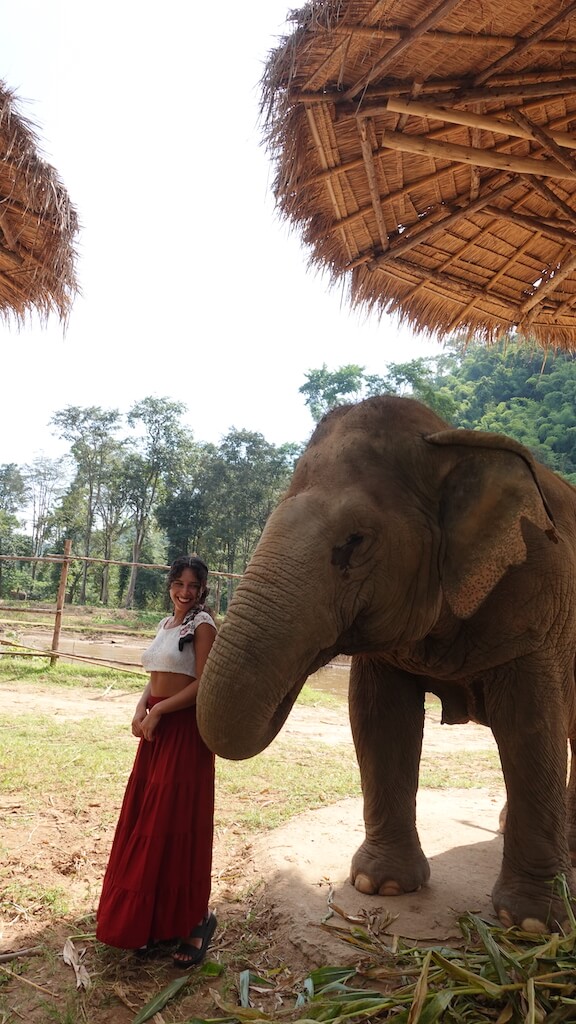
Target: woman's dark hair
x,y
198,567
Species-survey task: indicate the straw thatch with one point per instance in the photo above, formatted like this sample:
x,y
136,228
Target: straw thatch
x,y
38,225
426,152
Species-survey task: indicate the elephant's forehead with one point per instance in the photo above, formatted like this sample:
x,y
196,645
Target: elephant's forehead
x,y
354,452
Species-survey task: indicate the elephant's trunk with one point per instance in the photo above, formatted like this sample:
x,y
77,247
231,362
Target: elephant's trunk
x,y
278,630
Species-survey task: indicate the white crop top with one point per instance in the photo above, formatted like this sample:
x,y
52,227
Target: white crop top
x,y
163,655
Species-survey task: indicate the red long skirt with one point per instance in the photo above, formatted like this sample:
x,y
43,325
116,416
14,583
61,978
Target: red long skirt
x,y
158,879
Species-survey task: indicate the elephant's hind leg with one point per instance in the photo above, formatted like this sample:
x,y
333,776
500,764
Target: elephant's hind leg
x,y
533,754
387,719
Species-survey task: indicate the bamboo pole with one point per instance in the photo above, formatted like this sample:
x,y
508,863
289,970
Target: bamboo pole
x,y
427,23
371,32
60,598
472,120
534,225
424,230
525,44
544,137
479,157
364,128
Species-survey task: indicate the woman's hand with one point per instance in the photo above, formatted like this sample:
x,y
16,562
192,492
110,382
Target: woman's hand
x,y
139,716
149,723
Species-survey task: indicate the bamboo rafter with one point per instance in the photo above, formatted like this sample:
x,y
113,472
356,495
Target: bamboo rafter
x,y
526,44
424,26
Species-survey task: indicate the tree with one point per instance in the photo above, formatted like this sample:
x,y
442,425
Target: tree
x,y
158,452
509,389
44,483
13,498
90,432
241,484
325,389
13,489
182,513
111,507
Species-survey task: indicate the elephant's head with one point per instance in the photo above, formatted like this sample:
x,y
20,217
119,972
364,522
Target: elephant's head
x,y
391,519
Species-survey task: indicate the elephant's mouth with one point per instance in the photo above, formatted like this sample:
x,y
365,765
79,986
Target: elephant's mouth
x,y
284,709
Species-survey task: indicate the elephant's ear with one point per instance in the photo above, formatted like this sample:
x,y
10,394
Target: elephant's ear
x,y
490,487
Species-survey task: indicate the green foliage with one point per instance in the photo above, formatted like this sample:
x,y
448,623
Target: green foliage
x,y
508,388
325,389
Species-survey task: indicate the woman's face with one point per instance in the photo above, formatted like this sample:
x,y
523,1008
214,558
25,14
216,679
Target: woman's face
x,y
185,591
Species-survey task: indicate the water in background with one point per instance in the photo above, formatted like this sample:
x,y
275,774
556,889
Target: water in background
x,y
331,679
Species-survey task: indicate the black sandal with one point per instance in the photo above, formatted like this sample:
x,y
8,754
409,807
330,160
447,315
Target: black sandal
x,y
187,956
155,950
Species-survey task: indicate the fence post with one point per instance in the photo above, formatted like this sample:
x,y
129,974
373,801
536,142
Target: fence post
x,y
60,599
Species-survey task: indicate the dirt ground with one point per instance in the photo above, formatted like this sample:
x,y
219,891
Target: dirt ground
x,y
287,888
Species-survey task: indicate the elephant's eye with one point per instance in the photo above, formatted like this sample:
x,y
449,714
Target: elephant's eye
x,y
341,555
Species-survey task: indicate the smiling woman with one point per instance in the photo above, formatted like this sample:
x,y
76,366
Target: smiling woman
x,y
158,880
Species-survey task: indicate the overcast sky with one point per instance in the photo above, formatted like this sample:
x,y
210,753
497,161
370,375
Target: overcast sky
x,y
191,286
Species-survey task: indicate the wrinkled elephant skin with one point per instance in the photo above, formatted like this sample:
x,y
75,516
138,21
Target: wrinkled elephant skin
x,y
442,560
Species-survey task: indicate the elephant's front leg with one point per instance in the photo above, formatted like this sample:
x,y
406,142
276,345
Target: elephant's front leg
x,y
528,718
387,719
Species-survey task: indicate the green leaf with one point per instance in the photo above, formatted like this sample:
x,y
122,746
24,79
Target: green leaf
x,y
159,1001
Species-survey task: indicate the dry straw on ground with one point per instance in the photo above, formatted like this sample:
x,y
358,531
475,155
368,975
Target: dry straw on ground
x,y
427,154
38,224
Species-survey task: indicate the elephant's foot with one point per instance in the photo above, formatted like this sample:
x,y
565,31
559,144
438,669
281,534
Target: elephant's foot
x,y
389,870
533,906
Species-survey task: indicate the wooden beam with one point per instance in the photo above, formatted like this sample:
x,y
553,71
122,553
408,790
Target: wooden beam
x,y
368,156
534,224
351,165
551,197
414,93
544,137
439,36
454,257
550,284
422,231
520,87
433,18
472,120
480,157
329,184
525,44
443,282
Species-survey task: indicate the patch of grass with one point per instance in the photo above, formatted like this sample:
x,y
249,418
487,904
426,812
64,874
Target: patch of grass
x,y
32,898
461,770
284,780
78,761
39,671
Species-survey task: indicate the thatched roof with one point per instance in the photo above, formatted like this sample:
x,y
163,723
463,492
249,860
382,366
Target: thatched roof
x,y
38,224
426,151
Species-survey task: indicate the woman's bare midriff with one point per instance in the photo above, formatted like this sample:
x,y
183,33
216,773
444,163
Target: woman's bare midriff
x,y
167,684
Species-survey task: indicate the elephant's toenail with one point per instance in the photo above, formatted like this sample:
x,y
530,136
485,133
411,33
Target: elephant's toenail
x,y
363,884
532,924
505,918
390,889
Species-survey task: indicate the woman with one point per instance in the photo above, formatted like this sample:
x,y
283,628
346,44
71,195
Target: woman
x,y
157,883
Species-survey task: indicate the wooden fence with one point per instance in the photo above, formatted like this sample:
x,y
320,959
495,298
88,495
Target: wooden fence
x,y
58,612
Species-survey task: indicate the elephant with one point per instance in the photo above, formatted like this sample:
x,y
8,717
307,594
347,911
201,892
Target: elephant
x,y
442,560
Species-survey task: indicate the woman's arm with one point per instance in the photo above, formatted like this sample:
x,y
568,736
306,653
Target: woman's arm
x,y
140,712
203,639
